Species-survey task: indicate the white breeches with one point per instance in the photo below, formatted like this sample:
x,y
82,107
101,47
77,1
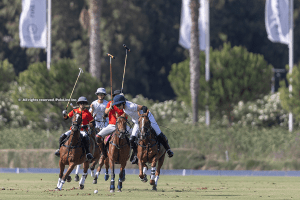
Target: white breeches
x,y
109,129
154,125
83,133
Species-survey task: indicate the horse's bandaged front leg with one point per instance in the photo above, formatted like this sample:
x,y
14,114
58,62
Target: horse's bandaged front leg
x,y
144,170
92,173
153,169
61,184
82,180
58,183
156,180
97,174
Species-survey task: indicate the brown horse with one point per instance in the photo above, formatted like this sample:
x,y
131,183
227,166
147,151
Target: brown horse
x,y
92,133
72,153
149,151
119,150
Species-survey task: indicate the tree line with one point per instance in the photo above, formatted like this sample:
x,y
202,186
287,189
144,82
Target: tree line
x,y
150,28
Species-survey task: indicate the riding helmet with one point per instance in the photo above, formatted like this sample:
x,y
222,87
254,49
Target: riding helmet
x,y
82,99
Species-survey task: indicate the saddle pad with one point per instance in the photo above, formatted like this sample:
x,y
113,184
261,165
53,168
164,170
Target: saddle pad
x,y
107,138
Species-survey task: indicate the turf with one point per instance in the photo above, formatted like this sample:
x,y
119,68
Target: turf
x,y
41,186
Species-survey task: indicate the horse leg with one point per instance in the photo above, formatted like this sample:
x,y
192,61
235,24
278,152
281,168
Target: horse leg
x,y
61,172
142,169
153,169
76,173
121,176
84,175
101,163
112,179
94,163
92,168
106,162
64,178
157,173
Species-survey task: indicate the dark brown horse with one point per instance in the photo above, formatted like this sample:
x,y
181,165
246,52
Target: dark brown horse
x,y
72,153
119,150
149,151
92,133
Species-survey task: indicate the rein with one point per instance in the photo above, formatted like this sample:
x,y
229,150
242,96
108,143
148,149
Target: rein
x,y
121,135
148,133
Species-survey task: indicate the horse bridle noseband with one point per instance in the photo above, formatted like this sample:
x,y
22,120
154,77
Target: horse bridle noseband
x,y
147,133
122,134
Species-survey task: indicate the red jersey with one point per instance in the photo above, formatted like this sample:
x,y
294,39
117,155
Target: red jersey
x,y
112,114
86,116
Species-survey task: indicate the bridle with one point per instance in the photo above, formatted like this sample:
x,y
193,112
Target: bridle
x,y
145,132
120,134
76,125
124,132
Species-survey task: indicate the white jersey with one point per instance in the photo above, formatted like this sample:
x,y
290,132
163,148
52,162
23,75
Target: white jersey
x,y
131,110
99,110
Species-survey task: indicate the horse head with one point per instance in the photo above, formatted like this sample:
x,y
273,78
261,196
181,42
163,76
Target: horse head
x,y
144,125
76,121
121,125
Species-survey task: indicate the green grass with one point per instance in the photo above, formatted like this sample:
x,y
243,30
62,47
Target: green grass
x,y
41,186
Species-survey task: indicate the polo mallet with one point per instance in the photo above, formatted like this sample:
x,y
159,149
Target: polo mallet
x,y
127,49
110,57
80,70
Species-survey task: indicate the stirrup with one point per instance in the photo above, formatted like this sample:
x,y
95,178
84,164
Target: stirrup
x,y
170,153
57,153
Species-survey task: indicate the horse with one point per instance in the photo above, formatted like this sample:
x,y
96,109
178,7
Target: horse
x,y
72,153
97,154
119,150
149,150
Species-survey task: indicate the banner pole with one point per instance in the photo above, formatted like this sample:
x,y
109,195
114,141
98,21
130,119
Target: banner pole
x,y
291,57
49,36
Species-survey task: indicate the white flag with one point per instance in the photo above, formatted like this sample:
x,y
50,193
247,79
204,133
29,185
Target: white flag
x,y
33,25
277,20
186,23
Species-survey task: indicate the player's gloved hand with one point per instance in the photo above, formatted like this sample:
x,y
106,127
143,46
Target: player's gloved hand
x,y
144,109
65,113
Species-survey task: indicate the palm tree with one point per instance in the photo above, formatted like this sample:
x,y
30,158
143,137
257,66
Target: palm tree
x,y
95,7
194,59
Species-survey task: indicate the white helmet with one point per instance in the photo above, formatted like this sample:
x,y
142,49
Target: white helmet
x,y
100,91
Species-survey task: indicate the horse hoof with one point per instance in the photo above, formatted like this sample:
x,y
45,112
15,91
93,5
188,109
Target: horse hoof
x,y
112,191
69,179
81,187
119,190
106,177
57,189
95,181
152,182
154,188
76,178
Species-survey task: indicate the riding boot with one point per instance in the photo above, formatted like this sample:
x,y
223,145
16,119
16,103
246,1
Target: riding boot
x,y
61,139
164,141
102,148
133,159
86,143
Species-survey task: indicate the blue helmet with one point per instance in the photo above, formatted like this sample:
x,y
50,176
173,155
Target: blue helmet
x,y
118,99
82,100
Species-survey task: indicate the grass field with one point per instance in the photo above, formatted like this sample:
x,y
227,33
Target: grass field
x,y
41,186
